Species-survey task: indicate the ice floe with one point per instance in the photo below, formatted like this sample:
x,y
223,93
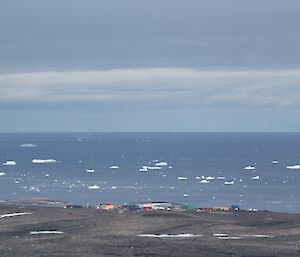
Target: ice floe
x,y
182,178
93,187
204,181
293,167
2,173
209,178
255,178
161,164
14,214
114,167
229,182
41,161
144,169
9,163
275,162
249,167
90,170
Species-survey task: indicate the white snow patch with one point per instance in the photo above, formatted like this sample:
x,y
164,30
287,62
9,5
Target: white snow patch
x,y
14,214
45,232
171,235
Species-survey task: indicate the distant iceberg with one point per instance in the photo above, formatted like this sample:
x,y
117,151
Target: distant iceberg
x,y
275,162
144,169
255,178
9,163
293,167
229,182
43,161
114,167
204,181
93,187
161,164
90,170
209,178
182,178
28,145
154,168
2,173
249,167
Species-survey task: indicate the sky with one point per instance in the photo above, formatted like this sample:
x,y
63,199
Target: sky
x,y
149,66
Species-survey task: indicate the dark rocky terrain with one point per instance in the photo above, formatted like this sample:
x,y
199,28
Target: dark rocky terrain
x,y
92,232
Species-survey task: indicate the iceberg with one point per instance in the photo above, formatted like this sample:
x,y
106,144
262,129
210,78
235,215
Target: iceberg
x,y
154,168
256,178
229,182
161,164
182,178
204,181
209,178
2,173
39,161
9,163
275,162
90,170
249,167
93,187
114,167
293,167
144,169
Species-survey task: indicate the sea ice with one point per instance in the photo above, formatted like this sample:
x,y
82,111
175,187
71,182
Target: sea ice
x,y
229,182
161,164
293,167
93,187
9,163
249,167
40,161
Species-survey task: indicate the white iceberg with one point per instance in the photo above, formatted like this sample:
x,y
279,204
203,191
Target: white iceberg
x,y
144,169
255,178
161,164
154,168
114,167
229,182
293,167
249,167
41,161
9,163
93,187
90,170
204,181
2,173
182,178
275,162
209,178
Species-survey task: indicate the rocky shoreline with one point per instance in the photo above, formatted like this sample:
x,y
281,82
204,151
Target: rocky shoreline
x,y
43,231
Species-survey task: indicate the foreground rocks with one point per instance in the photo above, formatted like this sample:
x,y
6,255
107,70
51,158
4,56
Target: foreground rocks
x,y
42,231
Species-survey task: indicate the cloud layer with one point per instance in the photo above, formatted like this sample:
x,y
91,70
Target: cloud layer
x,y
170,87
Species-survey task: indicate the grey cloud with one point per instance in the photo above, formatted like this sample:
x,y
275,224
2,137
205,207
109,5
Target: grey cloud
x,y
171,87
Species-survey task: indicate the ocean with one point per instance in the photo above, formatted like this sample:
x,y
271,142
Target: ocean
x,y
199,169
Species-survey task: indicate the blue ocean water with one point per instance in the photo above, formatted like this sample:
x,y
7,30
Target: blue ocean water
x,y
190,156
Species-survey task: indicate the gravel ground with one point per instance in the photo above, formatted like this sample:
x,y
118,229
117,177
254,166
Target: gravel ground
x,y
45,231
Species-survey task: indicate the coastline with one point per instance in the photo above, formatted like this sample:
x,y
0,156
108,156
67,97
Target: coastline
x,y
43,231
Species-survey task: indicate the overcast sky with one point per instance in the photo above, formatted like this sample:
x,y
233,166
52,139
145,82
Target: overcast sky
x,y
159,65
